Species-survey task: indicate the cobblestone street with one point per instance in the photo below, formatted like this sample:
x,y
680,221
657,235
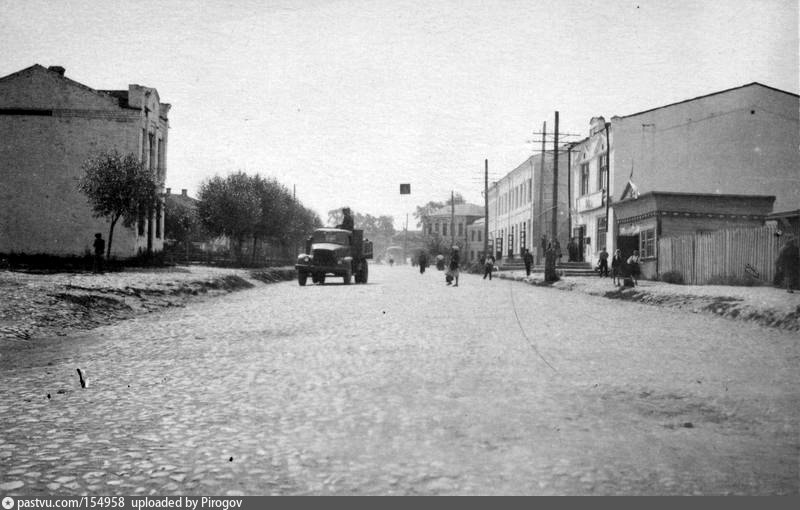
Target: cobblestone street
x,y
404,386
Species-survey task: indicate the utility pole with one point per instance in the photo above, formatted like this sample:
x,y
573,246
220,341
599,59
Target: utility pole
x,y
405,242
452,218
486,208
554,220
569,192
540,218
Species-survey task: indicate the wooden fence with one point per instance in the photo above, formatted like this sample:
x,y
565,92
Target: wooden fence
x,y
733,253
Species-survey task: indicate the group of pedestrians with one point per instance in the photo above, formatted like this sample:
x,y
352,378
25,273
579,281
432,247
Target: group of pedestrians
x,y
620,267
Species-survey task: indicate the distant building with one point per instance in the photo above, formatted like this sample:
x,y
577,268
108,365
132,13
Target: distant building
x,y
741,141
475,235
521,208
449,225
50,125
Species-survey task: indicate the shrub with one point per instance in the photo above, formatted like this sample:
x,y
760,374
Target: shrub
x,y
674,277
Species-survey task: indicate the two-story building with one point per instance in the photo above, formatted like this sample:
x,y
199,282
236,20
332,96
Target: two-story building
x,y
449,224
521,208
737,142
49,126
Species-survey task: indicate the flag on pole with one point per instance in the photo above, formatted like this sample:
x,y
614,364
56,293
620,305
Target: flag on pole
x,y
405,189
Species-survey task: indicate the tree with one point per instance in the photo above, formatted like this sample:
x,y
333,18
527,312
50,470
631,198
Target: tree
x,y
432,206
118,187
181,223
230,206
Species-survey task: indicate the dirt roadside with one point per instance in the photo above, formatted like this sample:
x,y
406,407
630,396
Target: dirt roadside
x,y
766,306
45,305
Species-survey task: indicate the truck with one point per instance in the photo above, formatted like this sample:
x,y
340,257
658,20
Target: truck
x,y
334,252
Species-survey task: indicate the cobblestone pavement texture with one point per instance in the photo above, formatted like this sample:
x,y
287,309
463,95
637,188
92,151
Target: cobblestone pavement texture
x,y
404,386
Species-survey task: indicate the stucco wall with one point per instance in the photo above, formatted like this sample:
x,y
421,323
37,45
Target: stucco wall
x,y
41,158
743,141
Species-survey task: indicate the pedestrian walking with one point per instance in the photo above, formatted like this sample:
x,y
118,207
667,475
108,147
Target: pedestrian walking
x,y
603,264
633,265
455,261
99,251
616,267
488,267
527,257
423,262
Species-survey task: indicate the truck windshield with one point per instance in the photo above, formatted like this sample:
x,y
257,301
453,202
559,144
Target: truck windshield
x,y
330,237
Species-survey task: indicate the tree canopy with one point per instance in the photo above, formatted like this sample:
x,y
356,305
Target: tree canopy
x,y
118,187
243,207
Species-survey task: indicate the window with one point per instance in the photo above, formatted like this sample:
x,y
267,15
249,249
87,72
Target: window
x,y
444,229
603,174
647,243
602,228
460,229
530,190
436,227
472,236
479,236
585,179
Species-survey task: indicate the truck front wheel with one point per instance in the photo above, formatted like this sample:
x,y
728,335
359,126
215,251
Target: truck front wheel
x,y
347,276
301,278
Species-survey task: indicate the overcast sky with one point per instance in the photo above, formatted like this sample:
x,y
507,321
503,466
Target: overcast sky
x,y
346,99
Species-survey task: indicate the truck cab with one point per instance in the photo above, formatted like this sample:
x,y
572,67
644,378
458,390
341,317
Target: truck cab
x,y
334,252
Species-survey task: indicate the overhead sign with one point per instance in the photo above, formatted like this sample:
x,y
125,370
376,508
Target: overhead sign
x,y
405,189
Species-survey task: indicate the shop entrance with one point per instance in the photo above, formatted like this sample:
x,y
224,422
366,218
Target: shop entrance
x,y
627,244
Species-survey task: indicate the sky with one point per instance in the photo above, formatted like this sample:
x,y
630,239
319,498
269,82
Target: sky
x,y
342,101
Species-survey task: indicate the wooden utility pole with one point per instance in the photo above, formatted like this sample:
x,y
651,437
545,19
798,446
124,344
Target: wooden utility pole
x,y
405,241
486,208
540,218
569,192
452,218
554,220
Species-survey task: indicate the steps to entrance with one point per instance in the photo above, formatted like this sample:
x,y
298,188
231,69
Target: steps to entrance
x,y
565,268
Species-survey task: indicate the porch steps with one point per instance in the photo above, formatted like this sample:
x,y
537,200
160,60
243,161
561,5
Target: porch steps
x,y
566,268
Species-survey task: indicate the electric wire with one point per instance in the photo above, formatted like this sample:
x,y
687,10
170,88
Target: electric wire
x,y
522,330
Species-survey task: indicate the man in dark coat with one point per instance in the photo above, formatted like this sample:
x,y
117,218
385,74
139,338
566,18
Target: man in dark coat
x,y
787,264
527,257
347,220
99,251
423,261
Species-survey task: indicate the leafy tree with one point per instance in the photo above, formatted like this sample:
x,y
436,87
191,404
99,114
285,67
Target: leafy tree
x,y
432,206
118,187
181,222
230,206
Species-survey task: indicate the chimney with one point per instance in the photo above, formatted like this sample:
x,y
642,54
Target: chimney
x,y
183,193
57,69
168,191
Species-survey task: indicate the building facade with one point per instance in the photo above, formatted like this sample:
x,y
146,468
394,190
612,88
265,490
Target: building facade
x,y
641,221
741,141
49,126
449,225
521,208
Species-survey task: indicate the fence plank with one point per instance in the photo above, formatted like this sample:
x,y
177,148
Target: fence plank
x,y
722,254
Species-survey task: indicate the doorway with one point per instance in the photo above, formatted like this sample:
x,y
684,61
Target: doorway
x,y
627,244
